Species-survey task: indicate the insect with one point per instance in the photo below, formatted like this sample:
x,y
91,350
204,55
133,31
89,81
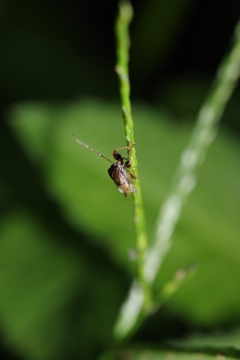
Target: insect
x,y
118,171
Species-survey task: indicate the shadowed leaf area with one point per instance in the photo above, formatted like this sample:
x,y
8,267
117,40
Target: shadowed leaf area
x,y
179,354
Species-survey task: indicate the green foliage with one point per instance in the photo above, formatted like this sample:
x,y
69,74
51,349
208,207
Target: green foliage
x,y
65,229
77,180
60,204
59,294
55,294
175,354
215,339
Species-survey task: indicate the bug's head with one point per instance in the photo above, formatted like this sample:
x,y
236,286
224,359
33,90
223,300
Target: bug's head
x,y
117,156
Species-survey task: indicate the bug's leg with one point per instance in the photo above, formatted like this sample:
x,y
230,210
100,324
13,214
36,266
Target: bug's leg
x,y
136,167
128,147
133,176
128,165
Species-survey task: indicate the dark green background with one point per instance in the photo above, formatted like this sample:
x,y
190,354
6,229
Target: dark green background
x,y
65,230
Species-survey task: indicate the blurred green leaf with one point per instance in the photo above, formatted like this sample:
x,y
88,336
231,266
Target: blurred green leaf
x,y
59,295
58,300
221,338
89,202
156,28
184,95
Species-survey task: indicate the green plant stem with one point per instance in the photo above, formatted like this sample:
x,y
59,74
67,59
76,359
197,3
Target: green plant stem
x,y
183,183
123,44
193,156
139,294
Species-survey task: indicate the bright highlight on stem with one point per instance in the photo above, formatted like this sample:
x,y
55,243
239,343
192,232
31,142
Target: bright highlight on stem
x,y
193,156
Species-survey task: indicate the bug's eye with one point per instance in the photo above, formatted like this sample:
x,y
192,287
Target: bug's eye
x,y
117,156
128,164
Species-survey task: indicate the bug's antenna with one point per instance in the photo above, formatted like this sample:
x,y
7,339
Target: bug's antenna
x,y
88,147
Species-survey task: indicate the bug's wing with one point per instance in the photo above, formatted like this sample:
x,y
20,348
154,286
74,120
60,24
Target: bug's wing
x,y
125,190
126,186
121,178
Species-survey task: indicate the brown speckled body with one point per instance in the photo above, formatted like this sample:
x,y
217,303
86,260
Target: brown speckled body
x,y
119,173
